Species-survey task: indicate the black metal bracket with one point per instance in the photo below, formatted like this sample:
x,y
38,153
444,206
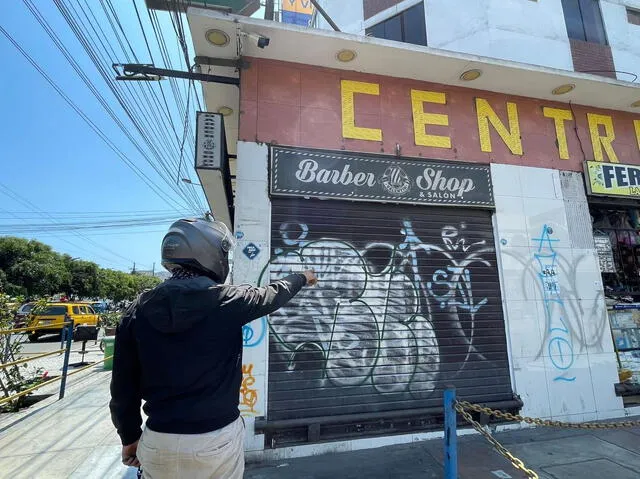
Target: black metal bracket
x,y
239,63
139,72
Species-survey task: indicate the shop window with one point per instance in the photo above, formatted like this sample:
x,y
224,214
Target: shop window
x,y
619,256
584,21
408,27
633,16
622,226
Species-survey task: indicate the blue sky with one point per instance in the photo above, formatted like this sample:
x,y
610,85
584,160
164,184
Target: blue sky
x,y
60,170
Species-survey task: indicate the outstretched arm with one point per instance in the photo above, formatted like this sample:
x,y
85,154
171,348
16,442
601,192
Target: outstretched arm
x,y
249,304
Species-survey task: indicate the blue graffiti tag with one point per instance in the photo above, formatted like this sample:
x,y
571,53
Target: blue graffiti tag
x,y
249,337
559,347
251,251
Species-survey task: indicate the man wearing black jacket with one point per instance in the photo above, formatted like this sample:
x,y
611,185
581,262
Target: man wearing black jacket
x,y
179,348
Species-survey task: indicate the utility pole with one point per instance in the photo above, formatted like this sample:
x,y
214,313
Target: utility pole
x,y
153,270
134,268
269,10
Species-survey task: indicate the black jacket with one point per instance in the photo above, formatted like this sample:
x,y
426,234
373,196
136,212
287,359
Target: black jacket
x,y
179,348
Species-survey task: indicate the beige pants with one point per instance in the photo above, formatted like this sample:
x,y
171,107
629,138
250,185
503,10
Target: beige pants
x,y
216,455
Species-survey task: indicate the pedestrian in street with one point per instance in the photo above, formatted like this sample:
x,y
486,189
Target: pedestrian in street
x,y
179,348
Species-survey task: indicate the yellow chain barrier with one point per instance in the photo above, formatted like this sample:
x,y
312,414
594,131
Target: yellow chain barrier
x,y
545,422
515,462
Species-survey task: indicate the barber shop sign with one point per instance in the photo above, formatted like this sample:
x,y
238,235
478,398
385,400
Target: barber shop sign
x,y
326,174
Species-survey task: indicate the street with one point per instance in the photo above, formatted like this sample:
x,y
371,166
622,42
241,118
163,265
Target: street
x,y
53,364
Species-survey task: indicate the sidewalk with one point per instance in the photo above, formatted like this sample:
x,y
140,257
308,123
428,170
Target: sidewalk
x,y
69,438
74,438
552,453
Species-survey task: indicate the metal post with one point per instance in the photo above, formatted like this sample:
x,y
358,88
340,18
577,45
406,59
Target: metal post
x,y
325,15
68,338
450,437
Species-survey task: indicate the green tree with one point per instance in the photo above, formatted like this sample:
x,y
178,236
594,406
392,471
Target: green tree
x,y
13,250
42,273
143,282
116,285
84,280
31,267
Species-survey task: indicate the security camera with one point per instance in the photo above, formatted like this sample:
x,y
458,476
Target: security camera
x,y
260,40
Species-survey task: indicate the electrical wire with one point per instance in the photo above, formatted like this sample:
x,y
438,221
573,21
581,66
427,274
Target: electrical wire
x,y
78,70
167,63
80,28
143,130
96,214
86,251
92,50
141,174
16,197
11,193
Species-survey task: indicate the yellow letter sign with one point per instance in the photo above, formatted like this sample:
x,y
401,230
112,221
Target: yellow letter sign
x,y
349,129
511,136
422,119
599,142
636,124
559,117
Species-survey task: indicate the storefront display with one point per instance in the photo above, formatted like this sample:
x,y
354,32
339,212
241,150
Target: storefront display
x,y
618,246
411,295
625,325
617,239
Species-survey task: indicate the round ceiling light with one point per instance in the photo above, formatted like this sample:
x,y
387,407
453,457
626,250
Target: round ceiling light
x,y
346,56
636,104
471,75
225,110
217,37
562,89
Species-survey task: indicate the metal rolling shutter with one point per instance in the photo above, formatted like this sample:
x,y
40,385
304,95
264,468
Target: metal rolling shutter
x,y
408,302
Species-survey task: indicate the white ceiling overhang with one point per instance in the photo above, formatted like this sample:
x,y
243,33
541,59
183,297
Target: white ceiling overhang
x,y
388,58
315,47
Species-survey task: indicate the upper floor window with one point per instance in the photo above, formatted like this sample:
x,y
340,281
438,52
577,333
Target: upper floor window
x,y
408,27
633,16
584,21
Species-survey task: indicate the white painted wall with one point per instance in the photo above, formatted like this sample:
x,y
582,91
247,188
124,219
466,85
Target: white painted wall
x,y
528,31
518,30
252,223
542,353
624,37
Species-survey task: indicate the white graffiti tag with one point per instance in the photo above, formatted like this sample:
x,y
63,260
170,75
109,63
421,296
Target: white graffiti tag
x,y
370,321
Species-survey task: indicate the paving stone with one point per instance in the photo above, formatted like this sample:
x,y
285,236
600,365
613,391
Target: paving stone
x,y
603,468
47,465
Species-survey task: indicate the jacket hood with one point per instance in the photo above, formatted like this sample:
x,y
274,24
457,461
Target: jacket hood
x,y
178,304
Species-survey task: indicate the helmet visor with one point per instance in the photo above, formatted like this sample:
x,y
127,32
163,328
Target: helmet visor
x,y
228,241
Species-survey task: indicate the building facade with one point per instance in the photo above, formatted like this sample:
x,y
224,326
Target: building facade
x,y
596,36
472,221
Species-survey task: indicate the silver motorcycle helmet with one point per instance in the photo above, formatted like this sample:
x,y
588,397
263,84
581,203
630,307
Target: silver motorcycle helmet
x,y
198,245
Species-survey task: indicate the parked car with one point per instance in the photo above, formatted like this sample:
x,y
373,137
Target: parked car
x,y
53,316
98,306
22,314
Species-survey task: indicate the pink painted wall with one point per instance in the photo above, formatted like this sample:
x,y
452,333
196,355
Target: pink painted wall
x,y
298,105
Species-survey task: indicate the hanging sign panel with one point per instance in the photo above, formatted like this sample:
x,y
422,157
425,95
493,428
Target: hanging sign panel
x,y
356,176
605,254
613,179
297,12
